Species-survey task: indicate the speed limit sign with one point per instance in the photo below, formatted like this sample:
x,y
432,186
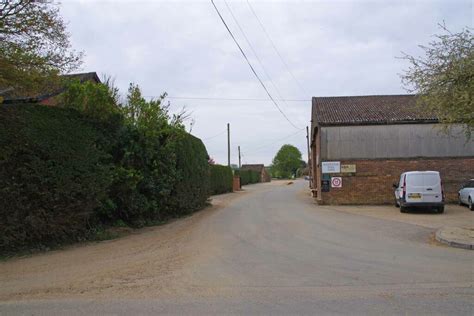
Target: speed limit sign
x,y
336,182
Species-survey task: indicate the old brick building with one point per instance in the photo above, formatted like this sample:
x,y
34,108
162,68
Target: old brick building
x,y
360,145
260,168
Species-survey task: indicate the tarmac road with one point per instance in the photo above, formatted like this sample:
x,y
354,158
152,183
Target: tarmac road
x,y
269,250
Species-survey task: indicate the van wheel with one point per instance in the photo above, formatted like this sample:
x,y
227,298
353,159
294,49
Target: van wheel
x,y
403,209
470,204
441,209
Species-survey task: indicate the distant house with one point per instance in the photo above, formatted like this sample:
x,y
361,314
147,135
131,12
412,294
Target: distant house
x,y
361,144
49,98
260,168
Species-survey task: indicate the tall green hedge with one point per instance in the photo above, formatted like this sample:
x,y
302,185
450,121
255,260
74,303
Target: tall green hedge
x,y
54,174
248,176
191,186
221,179
63,175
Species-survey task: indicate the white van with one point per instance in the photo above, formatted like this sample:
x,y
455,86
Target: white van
x,y
419,189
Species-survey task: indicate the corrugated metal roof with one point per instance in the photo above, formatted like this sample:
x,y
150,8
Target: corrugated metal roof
x,y
368,110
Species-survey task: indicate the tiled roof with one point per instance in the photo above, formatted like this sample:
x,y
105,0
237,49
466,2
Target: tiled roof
x,y
256,167
368,110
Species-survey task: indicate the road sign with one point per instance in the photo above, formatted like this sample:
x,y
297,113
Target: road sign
x,y
348,168
336,182
331,166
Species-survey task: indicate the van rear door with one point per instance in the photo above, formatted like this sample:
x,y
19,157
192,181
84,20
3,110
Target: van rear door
x,y
432,188
423,187
414,187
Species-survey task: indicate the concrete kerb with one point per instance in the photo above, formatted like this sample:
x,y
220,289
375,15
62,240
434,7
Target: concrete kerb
x,y
456,237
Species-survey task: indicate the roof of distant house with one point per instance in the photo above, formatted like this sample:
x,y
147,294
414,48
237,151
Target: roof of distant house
x,y
82,77
254,167
368,110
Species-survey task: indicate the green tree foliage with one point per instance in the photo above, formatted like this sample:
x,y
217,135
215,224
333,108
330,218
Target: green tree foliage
x,y
161,171
34,47
286,162
221,179
93,99
444,77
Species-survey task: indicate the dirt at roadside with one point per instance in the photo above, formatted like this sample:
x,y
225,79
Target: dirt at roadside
x,y
146,263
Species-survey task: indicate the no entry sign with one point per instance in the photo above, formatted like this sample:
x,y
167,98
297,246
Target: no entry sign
x,y
336,182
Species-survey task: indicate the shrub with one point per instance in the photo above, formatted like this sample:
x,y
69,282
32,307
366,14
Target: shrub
x,y
96,100
221,179
54,173
144,176
191,187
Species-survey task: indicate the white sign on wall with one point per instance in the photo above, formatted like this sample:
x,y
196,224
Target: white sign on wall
x,y
331,166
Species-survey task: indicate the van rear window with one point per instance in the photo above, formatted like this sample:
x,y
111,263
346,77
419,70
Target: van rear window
x,y
431,179
415,180
423,179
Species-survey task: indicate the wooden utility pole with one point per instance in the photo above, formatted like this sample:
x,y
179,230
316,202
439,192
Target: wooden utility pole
x,y
239,157
307,144
228,144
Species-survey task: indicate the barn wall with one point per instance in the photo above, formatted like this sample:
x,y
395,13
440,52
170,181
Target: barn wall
x,y
373,179
393,141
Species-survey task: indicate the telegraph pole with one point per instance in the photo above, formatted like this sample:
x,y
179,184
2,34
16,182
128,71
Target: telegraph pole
x,y
228,144
307,144
239,158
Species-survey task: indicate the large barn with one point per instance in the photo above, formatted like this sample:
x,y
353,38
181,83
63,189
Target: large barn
x,y
361,144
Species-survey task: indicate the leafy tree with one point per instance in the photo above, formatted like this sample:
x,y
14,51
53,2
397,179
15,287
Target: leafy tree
x,y
150,115
444,77
94,99
286,162
34,47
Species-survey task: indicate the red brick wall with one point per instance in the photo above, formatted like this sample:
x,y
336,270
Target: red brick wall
x,y
372,183
236,184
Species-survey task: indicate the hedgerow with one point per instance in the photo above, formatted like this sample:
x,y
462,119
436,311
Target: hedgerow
x,y
54,175
191,183
221,179
65,174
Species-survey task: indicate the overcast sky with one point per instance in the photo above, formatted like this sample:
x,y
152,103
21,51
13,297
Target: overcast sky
x,y
331,48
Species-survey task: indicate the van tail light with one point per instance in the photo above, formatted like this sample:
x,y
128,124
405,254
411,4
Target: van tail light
x,y
404,188
442,191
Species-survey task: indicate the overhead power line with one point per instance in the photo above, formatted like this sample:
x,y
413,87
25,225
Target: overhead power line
x,y
228,99
251,67
214,136
276,50
256,55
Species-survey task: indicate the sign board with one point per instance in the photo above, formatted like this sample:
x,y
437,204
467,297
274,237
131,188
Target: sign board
x,y
331,166
348,168
336,182
325,185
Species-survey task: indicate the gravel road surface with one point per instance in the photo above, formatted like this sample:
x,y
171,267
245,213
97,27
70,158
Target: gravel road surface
x,y
268,250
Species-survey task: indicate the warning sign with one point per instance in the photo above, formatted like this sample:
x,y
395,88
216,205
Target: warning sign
x,y
336,182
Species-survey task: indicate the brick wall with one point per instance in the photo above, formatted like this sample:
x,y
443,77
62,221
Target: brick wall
x,y
235,183
372,183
